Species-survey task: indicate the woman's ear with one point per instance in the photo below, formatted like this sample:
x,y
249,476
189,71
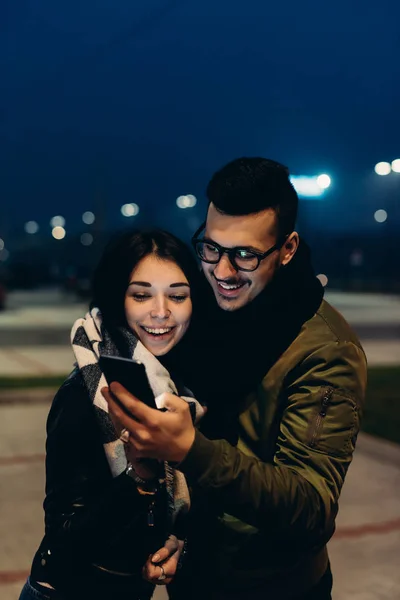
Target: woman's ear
x,y
289,248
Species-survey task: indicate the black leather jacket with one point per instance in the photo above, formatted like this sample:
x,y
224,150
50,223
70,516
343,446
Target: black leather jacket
x,y
96,533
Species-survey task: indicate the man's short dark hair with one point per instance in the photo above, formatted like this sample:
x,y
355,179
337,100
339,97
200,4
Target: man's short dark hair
x,y
249,185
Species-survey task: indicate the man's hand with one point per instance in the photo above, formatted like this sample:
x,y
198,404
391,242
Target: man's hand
x,y
167,558
153,434
147,469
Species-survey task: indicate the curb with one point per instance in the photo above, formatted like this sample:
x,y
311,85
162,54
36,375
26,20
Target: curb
x,y
27,396
378,448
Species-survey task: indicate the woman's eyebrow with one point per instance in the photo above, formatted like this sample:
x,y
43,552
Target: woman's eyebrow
x,y
148,284
142,283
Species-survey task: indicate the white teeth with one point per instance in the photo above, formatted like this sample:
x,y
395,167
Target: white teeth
x,y
157,331
229,287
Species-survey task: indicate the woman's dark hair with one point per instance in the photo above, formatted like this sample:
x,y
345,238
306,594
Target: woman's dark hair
x,y
122,255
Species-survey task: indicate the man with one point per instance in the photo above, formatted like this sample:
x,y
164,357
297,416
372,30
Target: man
x,y
284,378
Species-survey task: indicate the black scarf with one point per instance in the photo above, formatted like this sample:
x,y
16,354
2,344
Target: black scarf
x,y
225,355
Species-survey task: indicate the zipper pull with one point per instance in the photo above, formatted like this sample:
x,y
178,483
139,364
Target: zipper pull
x,y
325,402
150,516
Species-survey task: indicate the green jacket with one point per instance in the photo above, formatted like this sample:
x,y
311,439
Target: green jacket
x,y
279,488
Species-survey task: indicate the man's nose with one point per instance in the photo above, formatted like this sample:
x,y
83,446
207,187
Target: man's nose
x,y
224,268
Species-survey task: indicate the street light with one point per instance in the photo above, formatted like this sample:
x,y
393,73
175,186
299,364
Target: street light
x,y
380,215
31,227
86,239
130,210
311,187
323,279
396,165
324,181
57,221
383,168
4,255
88,217
188,201
58,232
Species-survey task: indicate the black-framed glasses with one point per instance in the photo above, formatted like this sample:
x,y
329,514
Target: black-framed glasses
x,y
241,258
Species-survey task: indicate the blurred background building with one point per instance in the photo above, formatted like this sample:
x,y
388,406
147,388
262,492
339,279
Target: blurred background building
x,y
106,106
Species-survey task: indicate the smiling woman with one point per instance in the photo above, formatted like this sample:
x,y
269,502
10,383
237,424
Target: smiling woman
x,y
105,510
141,278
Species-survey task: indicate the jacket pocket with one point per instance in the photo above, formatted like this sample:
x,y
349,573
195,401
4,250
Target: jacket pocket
x,y
334,426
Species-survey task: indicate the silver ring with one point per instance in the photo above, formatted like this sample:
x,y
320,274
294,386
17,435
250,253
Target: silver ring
x,y
163,575
124,436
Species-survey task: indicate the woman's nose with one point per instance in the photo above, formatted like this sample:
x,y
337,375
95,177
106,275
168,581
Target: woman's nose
x,y
160,310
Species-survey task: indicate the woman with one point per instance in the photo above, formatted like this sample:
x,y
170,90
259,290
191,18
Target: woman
x,y
101,504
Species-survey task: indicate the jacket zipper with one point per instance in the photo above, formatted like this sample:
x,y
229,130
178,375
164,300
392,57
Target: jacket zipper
x,y
150,515
326,399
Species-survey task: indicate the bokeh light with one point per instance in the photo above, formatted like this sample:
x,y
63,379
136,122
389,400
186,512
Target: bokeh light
x,y
324,181
130,210
380,215
31,227
57,221
4,255
58,232
86,239
187,201
396,165
1,244
383,168
306,187
323,279
88,217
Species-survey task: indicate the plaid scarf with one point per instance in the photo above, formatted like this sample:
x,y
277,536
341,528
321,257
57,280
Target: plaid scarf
x,y
90,339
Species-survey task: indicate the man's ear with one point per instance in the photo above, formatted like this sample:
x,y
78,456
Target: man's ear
x,y
289,248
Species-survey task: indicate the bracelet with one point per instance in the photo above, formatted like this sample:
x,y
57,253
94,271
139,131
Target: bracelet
x,y
145,487
132,473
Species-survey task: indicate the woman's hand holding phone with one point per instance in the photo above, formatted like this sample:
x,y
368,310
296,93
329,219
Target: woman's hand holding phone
x,y
164,562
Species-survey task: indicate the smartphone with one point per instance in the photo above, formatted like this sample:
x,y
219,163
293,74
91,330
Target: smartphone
x,y
130,374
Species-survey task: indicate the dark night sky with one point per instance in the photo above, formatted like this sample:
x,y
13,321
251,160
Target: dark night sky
x,y
142,101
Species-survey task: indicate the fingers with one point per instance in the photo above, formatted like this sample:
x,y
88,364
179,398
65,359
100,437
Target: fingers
x,y
163,562
128,409
172,402
117,425
139,434
121,402
168,568
169,548
116,407
158,574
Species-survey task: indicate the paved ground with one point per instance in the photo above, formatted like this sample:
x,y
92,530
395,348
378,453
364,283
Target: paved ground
x,y
365,550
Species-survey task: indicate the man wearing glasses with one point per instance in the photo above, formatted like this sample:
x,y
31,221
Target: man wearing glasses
x,y
284,378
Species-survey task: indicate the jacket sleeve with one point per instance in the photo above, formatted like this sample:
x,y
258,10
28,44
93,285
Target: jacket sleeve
x,y
84,504
297,493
